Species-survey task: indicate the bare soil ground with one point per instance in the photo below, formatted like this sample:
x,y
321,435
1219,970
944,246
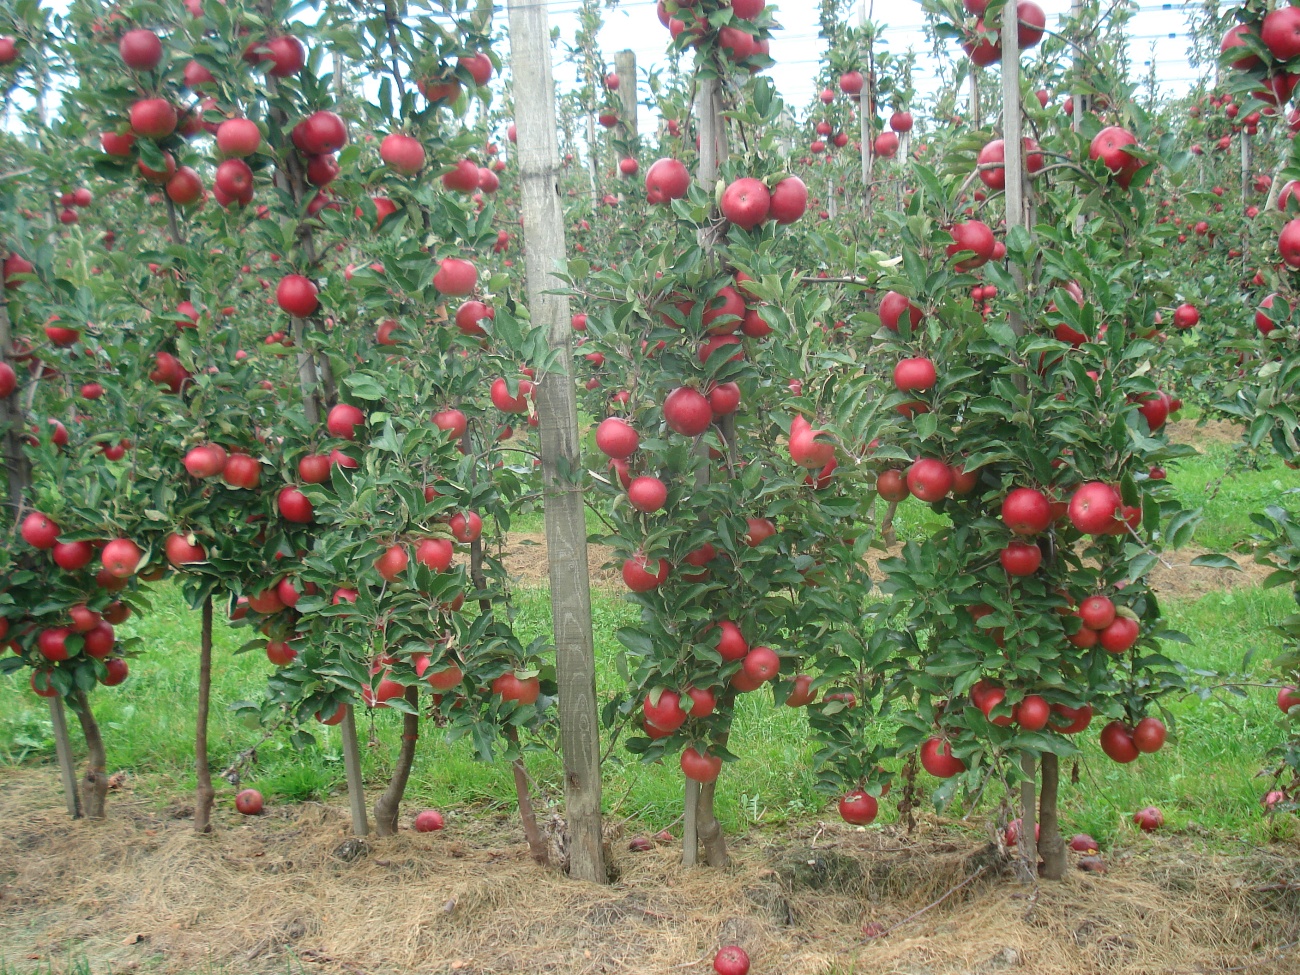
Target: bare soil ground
x,y
288,891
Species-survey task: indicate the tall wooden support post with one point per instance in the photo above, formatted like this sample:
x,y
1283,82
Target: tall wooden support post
x,y
714,148
701,827
593,153
1245,167
866,106
204,794
973,106
63,751
625,69
566,531
352,771
1076,12
1012,134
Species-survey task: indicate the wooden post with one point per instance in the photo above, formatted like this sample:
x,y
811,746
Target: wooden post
x,y
352,769
1275,190
1052,845
593,153
973,109
701,824
1245,167
625,68
63,749
566,531
1017,219
1012,125
1076,12
204,794
866,104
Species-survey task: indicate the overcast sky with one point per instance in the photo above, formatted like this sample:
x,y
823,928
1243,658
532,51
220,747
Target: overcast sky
x,y
797,49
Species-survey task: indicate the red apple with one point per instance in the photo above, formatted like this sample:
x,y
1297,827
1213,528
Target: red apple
x,y
1026,511
746,202
1151,819
1117,743
402,153
428,821
249,802
857,808
731,960
700,767
937,759
141,50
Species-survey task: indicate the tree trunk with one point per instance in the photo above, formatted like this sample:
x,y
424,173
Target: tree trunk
x,y
562,487
537,845
1051,846
389,804
352,769
710,832
94,784
204,794
63,749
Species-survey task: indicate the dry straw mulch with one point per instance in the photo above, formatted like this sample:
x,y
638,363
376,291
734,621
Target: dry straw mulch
x,y
287,892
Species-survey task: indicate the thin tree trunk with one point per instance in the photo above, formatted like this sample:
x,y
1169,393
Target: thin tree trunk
x,y
204,794
1051,846
94,784
352,769
63,749
887,533
690,834
389,804
557,412
537,845
712,838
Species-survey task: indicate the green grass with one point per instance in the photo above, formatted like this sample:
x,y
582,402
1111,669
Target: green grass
x,y
1205,777
1222,482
